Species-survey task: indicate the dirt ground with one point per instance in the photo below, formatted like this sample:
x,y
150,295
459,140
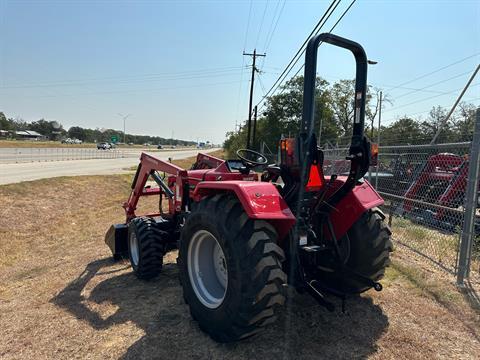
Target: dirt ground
x,y
62,297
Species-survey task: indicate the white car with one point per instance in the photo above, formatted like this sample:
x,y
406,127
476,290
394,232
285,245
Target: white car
x,y
103,146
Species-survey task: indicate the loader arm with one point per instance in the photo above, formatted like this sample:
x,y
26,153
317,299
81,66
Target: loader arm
x,y
148,166
206,161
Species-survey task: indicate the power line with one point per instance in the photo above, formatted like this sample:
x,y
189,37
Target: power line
x,y
439,93
331,29
343,14
273,25
272,22
331,77
261,23
428,98
386,122
261,83
140,90
433,72
243,65
271,31
187,75
459,98
248,25
434,84
301,50
239,93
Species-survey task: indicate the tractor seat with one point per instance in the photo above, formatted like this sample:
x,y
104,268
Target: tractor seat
x,y
274,169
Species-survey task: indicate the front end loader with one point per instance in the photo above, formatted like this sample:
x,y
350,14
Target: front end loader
x,y
244,237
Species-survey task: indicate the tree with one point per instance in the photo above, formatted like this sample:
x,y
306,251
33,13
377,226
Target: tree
x,y
464,122
434,122
343,104
4,123
51,129
77,132
283,114
404,131
342,100
18,124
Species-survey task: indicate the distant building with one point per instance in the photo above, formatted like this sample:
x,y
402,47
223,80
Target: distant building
x,y
29,135
4,133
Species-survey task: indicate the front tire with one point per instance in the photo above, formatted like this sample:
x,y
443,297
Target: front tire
x,y
145,247
237,298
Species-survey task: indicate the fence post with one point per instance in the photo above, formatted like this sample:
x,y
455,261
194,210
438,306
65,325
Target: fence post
x,y
468,231
378,139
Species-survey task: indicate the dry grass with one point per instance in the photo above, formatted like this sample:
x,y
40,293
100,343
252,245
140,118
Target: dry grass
x,y
40,144
62,297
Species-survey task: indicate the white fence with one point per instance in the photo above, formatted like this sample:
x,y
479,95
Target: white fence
x,y
25,155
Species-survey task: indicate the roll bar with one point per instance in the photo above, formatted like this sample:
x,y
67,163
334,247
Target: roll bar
x,y
359,153
310,82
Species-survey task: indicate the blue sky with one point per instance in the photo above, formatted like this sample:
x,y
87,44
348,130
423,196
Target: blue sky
x,y
176,66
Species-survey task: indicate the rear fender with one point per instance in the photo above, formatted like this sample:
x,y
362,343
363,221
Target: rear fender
x,y
348,210
260,200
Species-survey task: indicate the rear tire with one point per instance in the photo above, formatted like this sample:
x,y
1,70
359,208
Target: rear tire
x,y
145,247
368,253
253,282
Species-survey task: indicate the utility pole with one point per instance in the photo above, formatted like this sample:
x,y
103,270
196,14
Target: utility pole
x,y
254,127
254,69
124,119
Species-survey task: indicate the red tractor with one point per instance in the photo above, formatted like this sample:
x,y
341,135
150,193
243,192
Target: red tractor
x,y
438,191
243,238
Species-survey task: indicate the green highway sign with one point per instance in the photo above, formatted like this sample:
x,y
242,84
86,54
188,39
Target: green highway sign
x,y
113,139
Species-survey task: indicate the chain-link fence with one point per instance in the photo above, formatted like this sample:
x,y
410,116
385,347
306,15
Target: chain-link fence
x,y
424,190
432,197
23,155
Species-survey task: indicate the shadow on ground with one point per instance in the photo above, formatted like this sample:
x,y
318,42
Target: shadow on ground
x,y
304,330
471,295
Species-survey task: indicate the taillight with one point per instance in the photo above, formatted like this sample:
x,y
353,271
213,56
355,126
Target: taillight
x,y
287,154
373,154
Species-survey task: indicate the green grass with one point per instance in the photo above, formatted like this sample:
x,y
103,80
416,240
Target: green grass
x,y
441,246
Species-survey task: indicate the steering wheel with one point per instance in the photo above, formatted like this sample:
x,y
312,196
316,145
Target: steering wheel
x,y
251,158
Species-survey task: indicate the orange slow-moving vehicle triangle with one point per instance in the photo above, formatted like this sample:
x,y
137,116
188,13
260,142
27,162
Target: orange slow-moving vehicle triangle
x,y
315,179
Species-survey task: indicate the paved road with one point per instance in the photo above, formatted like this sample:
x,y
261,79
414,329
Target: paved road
x,y
13,173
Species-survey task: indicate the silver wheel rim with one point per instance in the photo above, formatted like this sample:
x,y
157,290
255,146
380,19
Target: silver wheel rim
x,y
134,248
207,269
